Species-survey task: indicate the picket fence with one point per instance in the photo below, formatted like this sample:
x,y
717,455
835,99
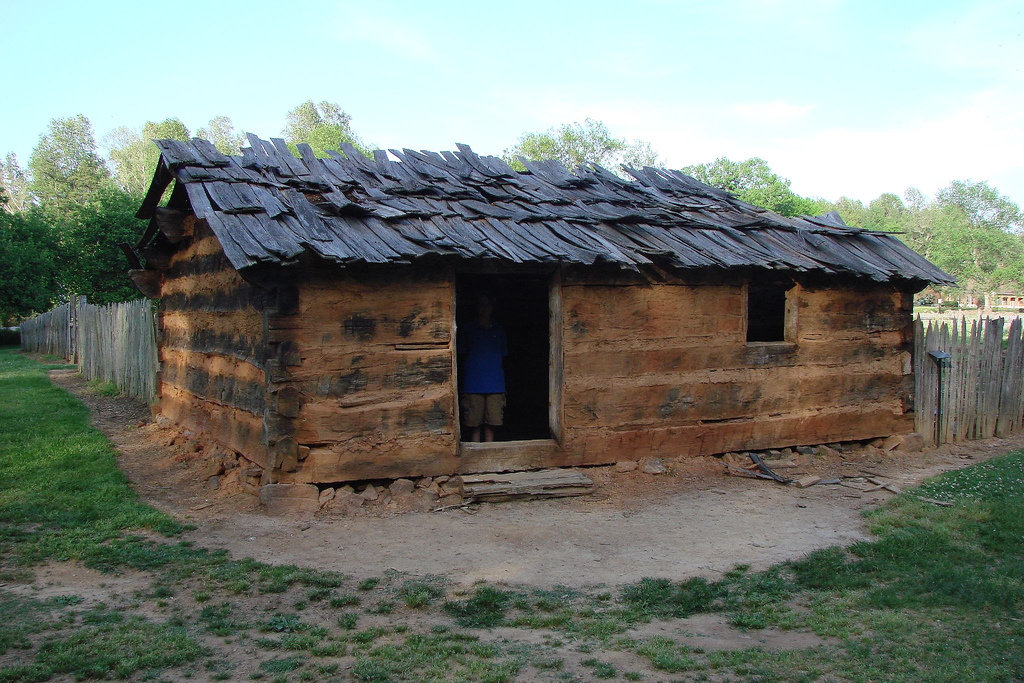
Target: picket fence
x,y
969,379
113,343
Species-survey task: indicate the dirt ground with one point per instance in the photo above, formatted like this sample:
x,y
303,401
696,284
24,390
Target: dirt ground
x,y
692,521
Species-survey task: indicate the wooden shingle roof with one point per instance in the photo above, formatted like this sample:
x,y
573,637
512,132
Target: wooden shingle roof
x,y
267,206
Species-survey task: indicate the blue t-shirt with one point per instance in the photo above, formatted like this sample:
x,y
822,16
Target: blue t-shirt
x,y
483,348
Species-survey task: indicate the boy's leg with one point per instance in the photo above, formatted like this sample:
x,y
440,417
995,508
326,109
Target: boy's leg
x,y
473,414
494,414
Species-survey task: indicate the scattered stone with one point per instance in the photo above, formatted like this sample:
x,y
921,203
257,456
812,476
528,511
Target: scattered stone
x,y
326,496
450,488
806,450
211,468
442,479
347,488
424,482
737,459
213,482
370,493
346,502
912,442
451,501
891,442
774,454
163,422
290,499
400,487
626,465
786,453
807,481
653,466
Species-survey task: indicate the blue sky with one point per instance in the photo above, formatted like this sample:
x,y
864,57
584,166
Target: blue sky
x,y
854,98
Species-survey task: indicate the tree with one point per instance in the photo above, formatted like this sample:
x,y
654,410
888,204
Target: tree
x,y
13,185
65,168
90,261
221,132
322,126
28,269
982,205
135,156
754,181
579,144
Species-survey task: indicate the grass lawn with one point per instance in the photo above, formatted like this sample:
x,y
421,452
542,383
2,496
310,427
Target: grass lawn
x,y
938,595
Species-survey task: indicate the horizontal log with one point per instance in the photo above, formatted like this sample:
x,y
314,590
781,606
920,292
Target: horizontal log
x,y
332,373
628,359
236,429
383,416
605,445
366,459
724,395
222,388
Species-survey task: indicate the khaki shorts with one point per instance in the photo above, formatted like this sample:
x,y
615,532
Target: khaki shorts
x,y
480,409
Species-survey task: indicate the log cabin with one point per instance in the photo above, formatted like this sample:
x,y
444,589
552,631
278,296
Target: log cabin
x,y
309,308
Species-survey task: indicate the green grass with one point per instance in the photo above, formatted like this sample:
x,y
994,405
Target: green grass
x,y
938,594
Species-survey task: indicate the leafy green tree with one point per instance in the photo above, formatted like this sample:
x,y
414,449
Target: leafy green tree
x,y
754,181
64,167
322,126
28,269
982,205
579,144
221,132
13,185
135,156
90,261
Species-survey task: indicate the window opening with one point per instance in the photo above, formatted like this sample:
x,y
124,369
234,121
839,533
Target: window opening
x,y
519,310
766,313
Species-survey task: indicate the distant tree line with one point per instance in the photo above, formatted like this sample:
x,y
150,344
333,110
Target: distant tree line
x,y
62,217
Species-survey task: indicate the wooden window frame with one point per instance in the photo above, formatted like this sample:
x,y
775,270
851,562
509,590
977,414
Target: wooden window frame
x,y
789,325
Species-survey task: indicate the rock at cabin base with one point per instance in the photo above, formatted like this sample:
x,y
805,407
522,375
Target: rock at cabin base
x,y
891,443
806,450
653,466
290,499
911,443
326,496
401,487
370,493
346,502
626,465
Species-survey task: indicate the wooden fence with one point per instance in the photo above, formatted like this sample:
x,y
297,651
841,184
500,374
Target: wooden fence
x,y
114,343
969,379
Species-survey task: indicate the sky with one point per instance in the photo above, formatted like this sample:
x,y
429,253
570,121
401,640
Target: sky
x,y
844,98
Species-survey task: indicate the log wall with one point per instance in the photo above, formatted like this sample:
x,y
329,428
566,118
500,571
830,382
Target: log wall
x,y
212,350
362,383
665,370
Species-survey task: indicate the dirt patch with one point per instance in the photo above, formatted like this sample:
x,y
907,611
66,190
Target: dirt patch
x,y
691,521
64,579
712,632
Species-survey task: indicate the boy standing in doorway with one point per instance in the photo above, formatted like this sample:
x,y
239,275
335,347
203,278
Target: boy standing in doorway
x,y
483,345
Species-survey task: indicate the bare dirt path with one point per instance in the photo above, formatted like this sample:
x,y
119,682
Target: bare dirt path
x,y
692,521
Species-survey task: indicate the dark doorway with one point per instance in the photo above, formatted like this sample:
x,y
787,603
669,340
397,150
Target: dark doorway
x,y
521,307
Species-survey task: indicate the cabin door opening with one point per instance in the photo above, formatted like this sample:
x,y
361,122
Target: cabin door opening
x,y
521,309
